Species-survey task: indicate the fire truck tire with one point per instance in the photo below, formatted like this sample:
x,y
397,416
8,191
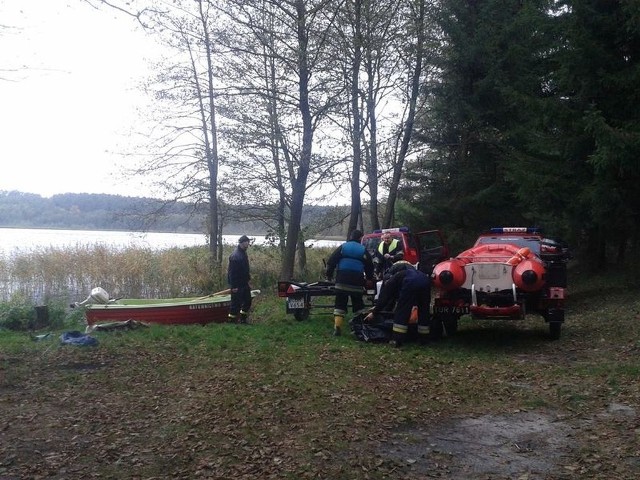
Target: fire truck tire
x,y
436,329
555,329
450,326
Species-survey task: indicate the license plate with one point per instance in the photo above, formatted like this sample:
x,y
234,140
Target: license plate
x,y
451,310
295,303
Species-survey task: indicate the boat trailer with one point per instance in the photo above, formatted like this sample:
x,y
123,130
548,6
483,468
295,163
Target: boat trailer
x,y
301,297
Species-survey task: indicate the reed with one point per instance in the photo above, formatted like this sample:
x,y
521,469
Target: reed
x,y
68,274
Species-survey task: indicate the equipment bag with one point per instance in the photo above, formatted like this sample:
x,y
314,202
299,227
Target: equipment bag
x,y
379,329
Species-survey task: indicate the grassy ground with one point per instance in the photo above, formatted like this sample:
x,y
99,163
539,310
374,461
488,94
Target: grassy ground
x,y
282,399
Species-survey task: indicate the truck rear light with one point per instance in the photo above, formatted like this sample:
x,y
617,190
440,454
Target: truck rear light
x,y
557,293
286,288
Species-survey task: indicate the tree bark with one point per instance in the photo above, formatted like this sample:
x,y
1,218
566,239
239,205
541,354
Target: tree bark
x,y
407,130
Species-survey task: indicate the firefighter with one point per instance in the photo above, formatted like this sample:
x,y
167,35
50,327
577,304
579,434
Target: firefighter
x,y
353,264
388,303
238,276
409,287
388,252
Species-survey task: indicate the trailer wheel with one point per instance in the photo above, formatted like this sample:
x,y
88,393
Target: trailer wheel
x,y
301,315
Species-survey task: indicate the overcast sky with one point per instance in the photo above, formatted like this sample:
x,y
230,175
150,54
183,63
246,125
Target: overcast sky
x,y
68,96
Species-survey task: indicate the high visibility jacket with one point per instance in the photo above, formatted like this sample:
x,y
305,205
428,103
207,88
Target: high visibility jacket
x,y
392,247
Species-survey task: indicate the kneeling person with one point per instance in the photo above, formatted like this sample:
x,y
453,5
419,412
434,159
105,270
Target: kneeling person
x,y
408,288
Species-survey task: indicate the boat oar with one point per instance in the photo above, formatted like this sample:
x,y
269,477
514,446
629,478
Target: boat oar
x,y
227,292
222,292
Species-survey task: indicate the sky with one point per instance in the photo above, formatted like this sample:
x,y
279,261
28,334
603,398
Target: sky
x,y
69,77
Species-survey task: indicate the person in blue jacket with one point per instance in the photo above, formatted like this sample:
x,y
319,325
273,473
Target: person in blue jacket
x,y
353,266
238,277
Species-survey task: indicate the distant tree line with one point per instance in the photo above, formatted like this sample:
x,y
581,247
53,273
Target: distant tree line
x,y
113,212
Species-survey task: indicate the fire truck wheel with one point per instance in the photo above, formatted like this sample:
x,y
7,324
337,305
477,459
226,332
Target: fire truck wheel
x,y
436,328
554,330
450,326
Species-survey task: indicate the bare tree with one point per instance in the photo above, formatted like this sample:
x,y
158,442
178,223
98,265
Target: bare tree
x,y
285,89
183,149
264,78
374,72
354,10
415,55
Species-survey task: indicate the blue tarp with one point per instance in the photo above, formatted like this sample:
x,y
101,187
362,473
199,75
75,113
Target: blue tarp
x,y
78,338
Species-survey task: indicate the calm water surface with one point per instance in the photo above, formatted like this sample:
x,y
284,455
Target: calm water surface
x,y
16,240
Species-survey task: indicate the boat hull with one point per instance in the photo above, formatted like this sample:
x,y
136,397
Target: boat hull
x,y
177,312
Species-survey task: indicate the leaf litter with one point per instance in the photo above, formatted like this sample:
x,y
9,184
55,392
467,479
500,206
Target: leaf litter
x,y
520,407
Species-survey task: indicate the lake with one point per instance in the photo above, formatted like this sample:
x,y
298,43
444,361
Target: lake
x,y
23,240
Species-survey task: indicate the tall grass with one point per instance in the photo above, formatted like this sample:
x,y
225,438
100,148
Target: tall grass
x,y
68,274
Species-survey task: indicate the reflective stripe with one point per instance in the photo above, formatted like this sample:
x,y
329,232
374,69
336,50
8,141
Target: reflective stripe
x,y
397,328
340,312
423,329
392,246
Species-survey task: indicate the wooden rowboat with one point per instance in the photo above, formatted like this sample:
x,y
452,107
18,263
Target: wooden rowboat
x,y
212,308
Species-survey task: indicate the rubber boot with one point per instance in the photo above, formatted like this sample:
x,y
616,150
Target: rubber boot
x,y
231,318
243,318
337,325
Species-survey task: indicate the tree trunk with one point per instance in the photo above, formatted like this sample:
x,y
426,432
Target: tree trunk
x,y
300,182
302,257
356,128
408,124
211,151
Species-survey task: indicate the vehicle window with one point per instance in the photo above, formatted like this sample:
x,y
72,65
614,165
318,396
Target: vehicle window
x,y
430,242
371,244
